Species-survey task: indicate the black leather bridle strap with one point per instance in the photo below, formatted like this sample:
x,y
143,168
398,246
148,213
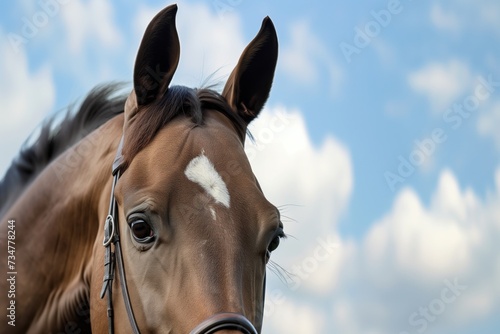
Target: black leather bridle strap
x,y
112,236
109,258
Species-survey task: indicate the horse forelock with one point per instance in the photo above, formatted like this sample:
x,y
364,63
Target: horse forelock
x,y
179,101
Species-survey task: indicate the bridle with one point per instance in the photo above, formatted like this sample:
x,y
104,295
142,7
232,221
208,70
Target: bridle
x,y
219,321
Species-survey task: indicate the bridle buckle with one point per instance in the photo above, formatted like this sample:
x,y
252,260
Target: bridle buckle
x,y
108,237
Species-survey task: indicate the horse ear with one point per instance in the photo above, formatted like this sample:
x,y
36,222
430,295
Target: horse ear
x,y
248,86
157,58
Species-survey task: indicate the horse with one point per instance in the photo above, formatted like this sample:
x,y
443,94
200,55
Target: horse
x,y
140,213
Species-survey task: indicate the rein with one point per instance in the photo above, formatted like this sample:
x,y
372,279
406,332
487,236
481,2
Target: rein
x,y
219,321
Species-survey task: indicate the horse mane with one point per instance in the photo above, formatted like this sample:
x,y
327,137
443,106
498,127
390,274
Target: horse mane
x,y
100,105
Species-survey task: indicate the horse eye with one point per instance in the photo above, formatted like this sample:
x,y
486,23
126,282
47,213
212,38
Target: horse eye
x,y
274,244
142,231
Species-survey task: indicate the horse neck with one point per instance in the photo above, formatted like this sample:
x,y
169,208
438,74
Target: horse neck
x,y
57,221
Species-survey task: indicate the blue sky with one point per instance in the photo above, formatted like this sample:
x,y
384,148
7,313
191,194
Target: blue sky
x,y
349,118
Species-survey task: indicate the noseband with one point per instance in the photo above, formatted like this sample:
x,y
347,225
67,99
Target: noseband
x,y
219,321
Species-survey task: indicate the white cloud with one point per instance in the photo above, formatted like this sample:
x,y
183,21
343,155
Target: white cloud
x,y
441,83
343,316
209,45
423,242
488,123
322,176
295,318
400,266
488,15
466,15
319,180
445,20
404,261
296,58
90,22
306,58
26,98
